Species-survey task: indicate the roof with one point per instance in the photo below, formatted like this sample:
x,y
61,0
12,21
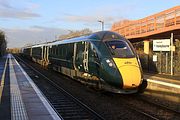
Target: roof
x,y
98,36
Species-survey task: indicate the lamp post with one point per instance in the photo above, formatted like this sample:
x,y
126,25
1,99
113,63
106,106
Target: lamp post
x,y
102,24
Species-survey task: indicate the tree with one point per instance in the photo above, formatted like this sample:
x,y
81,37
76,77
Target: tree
x,y
76,33
3,43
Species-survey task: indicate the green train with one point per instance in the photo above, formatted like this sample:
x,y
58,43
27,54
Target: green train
x,y
105,60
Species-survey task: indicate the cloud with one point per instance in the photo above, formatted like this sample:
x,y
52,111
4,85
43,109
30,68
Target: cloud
x,y
8,11
17,37
109,14
17,14
87,19
90,21
5,4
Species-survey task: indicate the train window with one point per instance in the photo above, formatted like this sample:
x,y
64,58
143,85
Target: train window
x,y
62,51
54,51
65,47
79,55
50,49
79,52
120,49
92,54
102,49
70,51
57,52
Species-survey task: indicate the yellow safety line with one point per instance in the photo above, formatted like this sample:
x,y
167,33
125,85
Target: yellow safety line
x,y
2,80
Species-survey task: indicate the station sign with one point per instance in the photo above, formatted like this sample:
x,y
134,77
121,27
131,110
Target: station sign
x,y
161,45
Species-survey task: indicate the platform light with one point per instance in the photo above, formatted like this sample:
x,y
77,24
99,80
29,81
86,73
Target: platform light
x,y
102,24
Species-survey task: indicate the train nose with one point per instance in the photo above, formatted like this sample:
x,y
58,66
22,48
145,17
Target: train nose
x,y
130,72
131,76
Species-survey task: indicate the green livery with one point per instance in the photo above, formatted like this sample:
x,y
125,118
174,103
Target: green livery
x,y
96,60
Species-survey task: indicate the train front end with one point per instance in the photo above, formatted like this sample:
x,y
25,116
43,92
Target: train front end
x,y
123,68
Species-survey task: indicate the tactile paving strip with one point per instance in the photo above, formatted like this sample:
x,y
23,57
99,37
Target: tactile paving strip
x,y
18,111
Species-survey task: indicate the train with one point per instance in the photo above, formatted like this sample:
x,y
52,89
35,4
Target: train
x,y
104,60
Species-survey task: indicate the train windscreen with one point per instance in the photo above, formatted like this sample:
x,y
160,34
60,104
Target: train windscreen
x,y
120,49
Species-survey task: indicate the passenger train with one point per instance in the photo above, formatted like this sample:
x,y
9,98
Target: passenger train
x,y
103,59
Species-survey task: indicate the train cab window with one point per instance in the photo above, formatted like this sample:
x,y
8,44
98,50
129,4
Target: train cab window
x,y
120,49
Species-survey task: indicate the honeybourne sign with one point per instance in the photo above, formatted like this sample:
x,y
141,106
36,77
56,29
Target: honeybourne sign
x,y
161,45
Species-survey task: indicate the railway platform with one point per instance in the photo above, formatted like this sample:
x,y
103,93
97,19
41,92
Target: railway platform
x,y
164,87
174,79
163,81
20,99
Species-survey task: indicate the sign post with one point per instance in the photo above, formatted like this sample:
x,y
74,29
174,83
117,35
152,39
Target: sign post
x,y
172,54
166,62
161,45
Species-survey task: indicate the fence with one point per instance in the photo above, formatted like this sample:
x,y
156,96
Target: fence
x,y
162,65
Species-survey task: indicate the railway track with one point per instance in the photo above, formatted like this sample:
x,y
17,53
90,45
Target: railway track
x,y
164,109
150,108
65,106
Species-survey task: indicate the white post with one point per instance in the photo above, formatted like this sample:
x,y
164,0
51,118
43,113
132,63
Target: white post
x,y
172,54
160,62
102,24
166,62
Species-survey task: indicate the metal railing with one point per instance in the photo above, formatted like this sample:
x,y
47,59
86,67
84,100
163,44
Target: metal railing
x,y
164,21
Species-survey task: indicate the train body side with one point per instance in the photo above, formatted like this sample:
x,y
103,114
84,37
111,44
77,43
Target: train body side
x,y
91,61
27,52
40,54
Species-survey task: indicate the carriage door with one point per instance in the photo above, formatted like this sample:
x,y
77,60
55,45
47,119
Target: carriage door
x,y
81,56
93,61
46,53
85,56
42,52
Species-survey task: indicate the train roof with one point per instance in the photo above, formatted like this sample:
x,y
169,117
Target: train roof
x,y
105,36
98,36
40,45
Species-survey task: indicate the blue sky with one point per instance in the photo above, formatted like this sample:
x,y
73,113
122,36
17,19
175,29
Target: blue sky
x,y
35,21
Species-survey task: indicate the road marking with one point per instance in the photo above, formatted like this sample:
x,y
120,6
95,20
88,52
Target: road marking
x,y
164,83
2,79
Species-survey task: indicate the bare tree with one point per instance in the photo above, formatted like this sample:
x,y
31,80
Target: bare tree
x,y
76,33
3,43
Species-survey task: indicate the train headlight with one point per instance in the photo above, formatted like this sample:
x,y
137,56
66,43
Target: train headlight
x,y
110,63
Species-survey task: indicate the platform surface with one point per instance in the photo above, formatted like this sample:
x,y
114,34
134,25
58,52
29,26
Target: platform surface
x,y
20,98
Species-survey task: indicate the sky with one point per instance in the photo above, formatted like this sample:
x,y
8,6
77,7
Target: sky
x,y
37,21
